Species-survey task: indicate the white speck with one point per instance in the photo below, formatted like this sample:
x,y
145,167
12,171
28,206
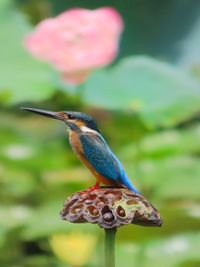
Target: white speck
x,y
194,211
20,212
175,245
147,166
18,151
131,248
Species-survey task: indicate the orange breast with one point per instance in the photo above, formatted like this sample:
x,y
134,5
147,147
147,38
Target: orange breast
x,y
74,139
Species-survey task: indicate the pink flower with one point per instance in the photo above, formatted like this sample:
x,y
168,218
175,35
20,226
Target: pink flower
x,y
77,41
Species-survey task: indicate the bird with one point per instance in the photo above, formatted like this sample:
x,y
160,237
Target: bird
x,y
91,148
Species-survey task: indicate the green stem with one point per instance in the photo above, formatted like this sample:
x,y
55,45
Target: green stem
x,y
110,247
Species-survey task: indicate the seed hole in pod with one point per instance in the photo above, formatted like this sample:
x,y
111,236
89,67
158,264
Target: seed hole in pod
x,y
129,194
93,211
110,195
92,196
70,203
108,192
103,199
89,199
131,202
107,215
137,214
99,204
146,204
116,199
78,208
121,212
73,211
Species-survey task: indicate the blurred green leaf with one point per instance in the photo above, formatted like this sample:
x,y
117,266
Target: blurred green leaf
x,y
16,183
173,251
166,252
41,260
22,78
180,179
127,252
169,178
46,221
164,143
2,234
12,216
160,93
189,46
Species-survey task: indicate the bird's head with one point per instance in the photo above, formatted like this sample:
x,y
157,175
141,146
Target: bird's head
x,y
76,121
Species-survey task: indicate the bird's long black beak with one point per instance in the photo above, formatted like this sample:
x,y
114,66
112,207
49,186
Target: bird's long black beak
x,y
46,113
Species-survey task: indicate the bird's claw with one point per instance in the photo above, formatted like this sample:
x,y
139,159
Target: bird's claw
x,y
92,188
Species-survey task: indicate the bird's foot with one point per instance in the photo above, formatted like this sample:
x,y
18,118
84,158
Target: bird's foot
x,y
94,187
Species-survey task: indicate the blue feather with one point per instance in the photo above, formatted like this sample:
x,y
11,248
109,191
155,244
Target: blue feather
x,y
99,156
103,160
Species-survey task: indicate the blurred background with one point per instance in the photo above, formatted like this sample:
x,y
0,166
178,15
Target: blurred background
x,y
147,105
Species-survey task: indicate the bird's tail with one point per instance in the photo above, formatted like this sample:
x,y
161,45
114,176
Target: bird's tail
x,y
126,181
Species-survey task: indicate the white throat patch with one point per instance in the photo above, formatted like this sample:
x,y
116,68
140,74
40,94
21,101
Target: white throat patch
x,y
86,129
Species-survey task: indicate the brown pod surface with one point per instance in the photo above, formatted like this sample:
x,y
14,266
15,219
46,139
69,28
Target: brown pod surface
x,y
110,208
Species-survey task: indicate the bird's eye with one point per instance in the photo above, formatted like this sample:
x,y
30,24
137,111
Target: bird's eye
x,y
70,117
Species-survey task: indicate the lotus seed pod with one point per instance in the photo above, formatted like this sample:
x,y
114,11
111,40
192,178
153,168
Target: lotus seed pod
x,y
110,208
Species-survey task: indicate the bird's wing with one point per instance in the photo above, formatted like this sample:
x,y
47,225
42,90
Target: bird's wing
x,y
100,156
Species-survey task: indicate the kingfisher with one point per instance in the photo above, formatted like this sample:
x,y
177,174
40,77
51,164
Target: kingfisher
x,y
91,148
